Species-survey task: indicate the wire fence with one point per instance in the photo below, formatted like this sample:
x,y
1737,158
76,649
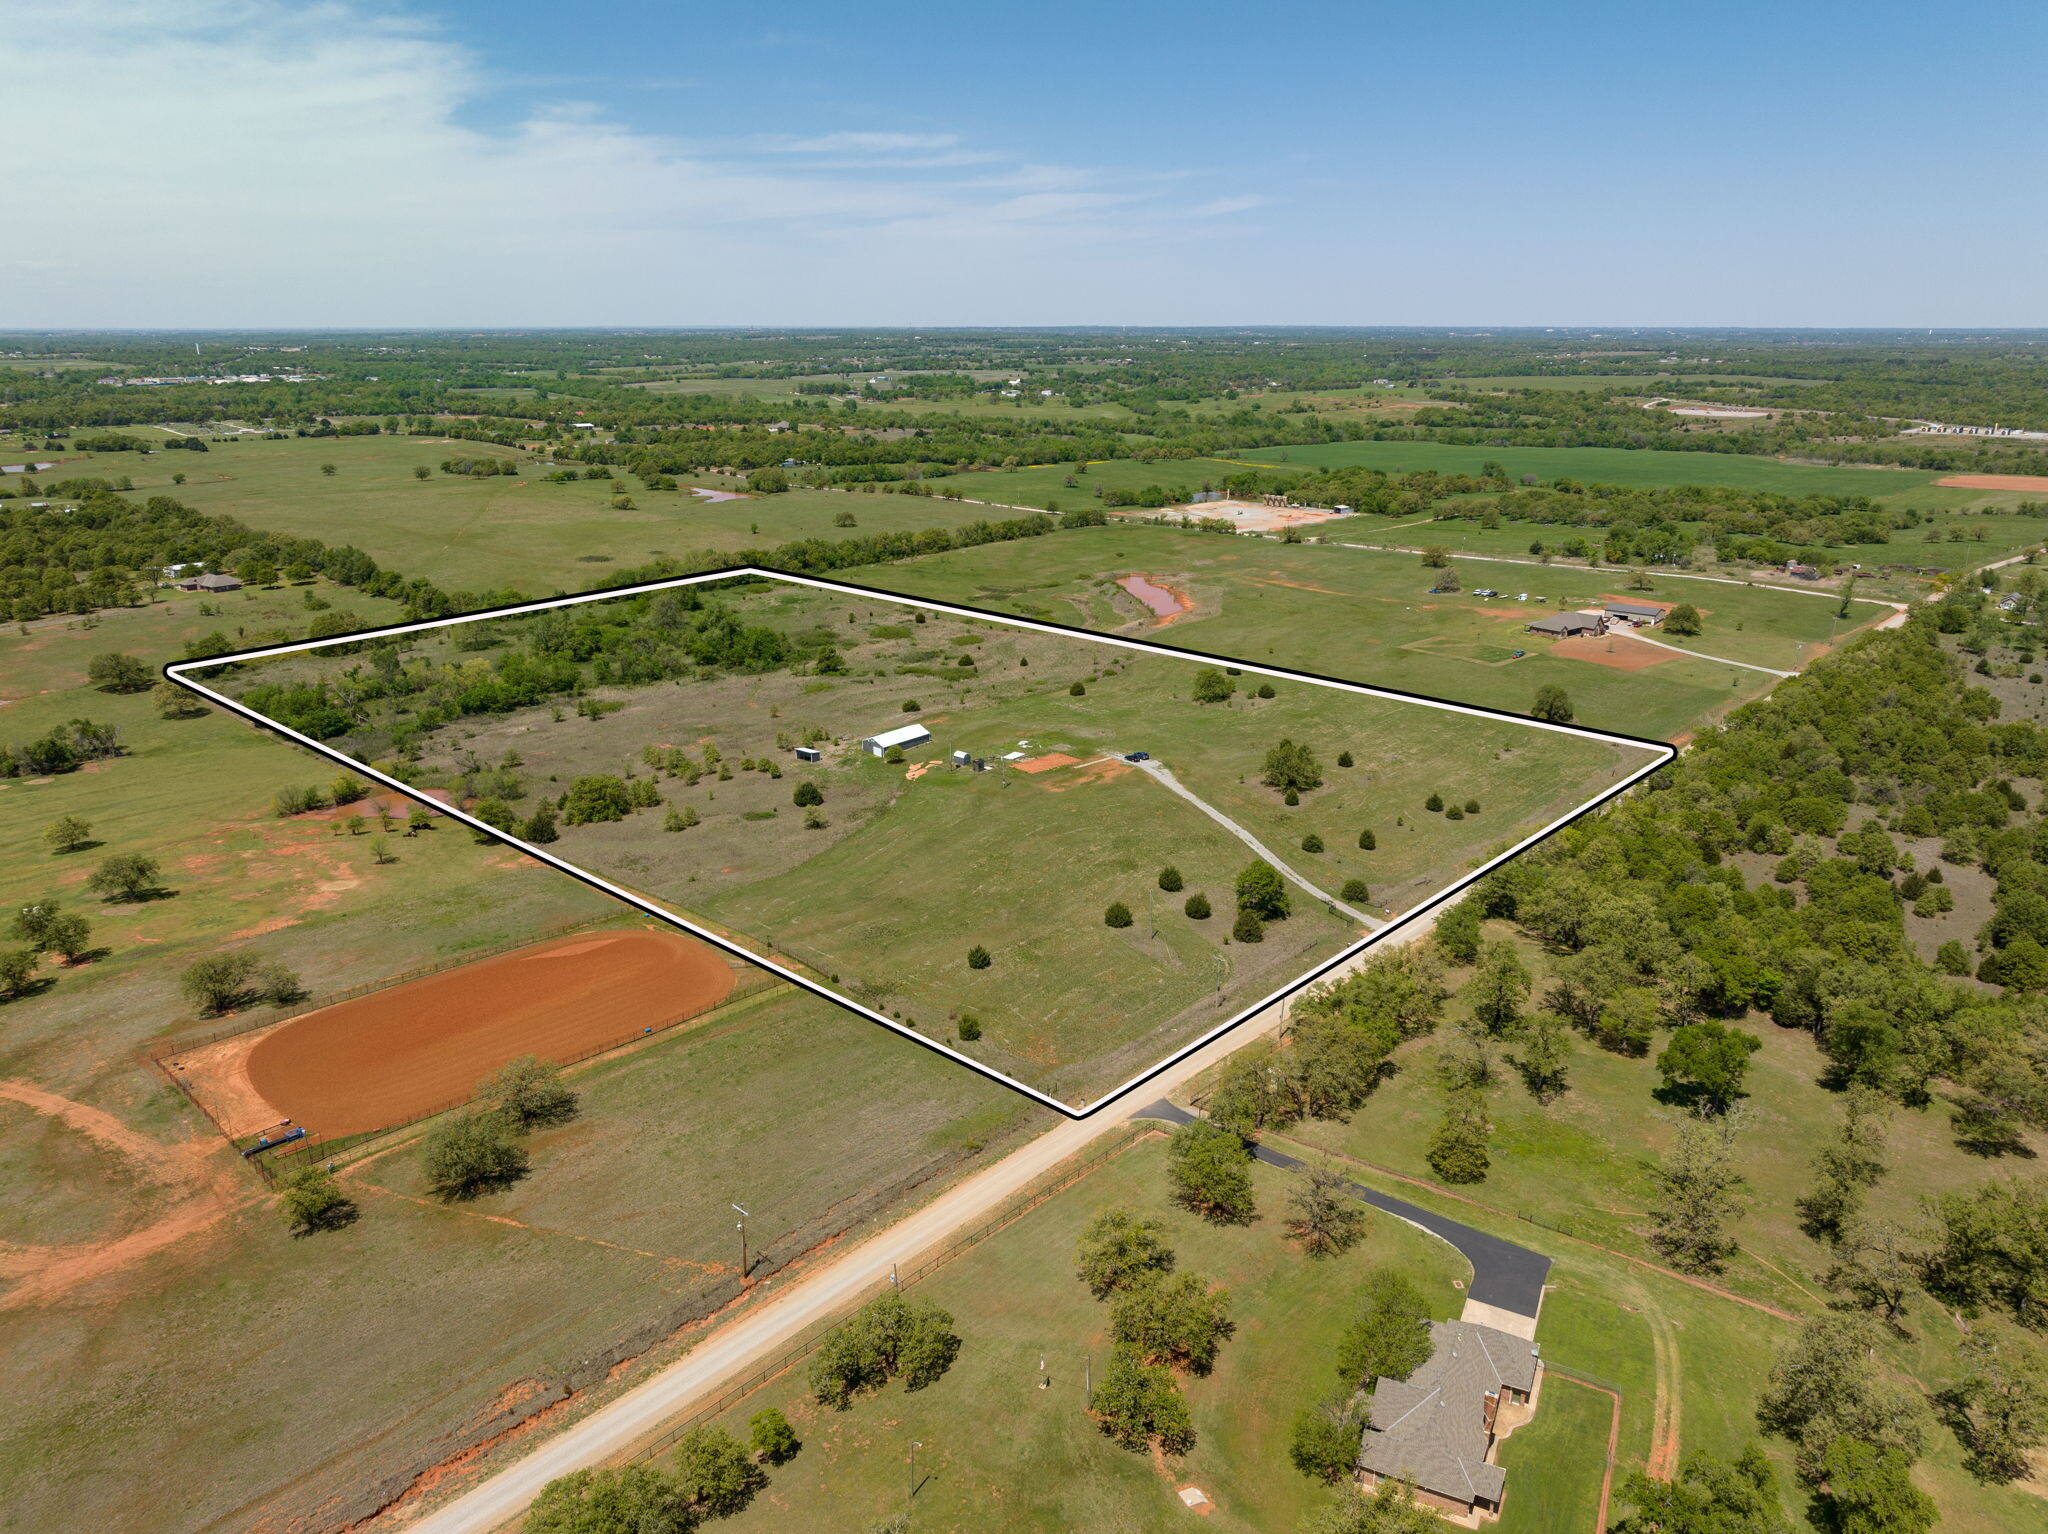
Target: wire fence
x,y
290,1157
1065,1175
251,1021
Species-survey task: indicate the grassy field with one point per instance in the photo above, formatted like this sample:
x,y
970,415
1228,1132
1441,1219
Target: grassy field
x,y
244,1366
1002,1454
1602,465
464,533
1369,617
1045,485
1581,1170
917,865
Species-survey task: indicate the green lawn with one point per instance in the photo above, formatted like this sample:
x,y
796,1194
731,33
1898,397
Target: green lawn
x,y
1603,465
1002,1454
1556,1462
1359,614
468,534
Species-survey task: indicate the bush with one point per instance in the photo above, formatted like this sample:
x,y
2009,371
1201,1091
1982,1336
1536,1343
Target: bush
x,y
114,672
970,1027
1311,843
529,1092
807,794
1262,891
1117,915
1197,906
978,957
1344,759
1471,806
1367,842
1248,928
1357,889
125,876
1077,690
1434,804
1265,690
314,1201
1170,879
774,1440
475,1154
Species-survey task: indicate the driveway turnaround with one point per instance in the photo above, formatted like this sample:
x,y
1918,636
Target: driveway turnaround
x,y
1504,1276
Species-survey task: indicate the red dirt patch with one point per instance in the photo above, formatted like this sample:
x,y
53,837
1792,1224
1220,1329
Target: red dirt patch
x,y
1046,763
398,1054
1095,772
1616,650
205,1192
2036,482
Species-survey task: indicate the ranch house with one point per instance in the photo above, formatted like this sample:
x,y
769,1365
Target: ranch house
x,y
1565,625
1438,1429
210,583
907,736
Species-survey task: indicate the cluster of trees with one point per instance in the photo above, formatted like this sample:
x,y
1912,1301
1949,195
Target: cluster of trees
x,y
1161,1323
710,1475
891,1337
65,748
481,1150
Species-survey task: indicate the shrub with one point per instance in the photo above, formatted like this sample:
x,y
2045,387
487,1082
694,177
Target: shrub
x,y
1265,690
1311,843
1248,928
978,957
314,1201
1434,804
1471,806
1197,906
1357,889
970,1027
1077,690
1367,841
474,1154
807,794
1170,879
1344,759
1117,915
774,1440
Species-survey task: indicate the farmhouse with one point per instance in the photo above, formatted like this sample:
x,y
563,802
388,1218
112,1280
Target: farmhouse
x,y
1438,1428
210,583
1634,612
1564,625
906,737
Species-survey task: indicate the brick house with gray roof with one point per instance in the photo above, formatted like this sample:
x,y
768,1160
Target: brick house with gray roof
x,y
1437,1429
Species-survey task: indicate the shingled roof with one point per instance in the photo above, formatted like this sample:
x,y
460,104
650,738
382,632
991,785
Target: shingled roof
x,y
1432,1428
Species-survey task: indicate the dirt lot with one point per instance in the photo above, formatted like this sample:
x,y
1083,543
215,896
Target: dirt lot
x,y
2035,482
396,1054
1616,650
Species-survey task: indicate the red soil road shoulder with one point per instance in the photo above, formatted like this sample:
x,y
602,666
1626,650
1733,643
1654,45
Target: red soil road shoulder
x,y
1046,763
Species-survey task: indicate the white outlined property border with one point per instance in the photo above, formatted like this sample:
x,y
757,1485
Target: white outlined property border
x,y
1661,753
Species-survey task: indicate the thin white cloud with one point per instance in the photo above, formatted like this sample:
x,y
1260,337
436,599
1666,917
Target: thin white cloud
x,y
263,162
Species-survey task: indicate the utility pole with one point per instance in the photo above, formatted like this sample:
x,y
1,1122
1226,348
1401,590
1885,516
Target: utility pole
x,y
745,1266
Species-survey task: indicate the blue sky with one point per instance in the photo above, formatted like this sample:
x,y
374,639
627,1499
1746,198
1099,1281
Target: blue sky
x,y
373,162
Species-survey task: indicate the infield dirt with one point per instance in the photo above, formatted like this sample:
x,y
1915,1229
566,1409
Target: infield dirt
x,y
396,1055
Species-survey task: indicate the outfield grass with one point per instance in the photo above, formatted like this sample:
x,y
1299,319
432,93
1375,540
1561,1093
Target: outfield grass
x,y
1358,614
469,534
1601,465
1002,1454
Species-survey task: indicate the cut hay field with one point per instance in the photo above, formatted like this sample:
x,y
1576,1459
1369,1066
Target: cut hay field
x,y
919,862
472,534
1369,617
153,1309
1601,465
1002,1454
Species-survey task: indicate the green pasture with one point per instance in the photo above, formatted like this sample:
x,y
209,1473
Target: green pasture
x,y
1043,485
1357,614
625,1209
469,534
1000,1453
1601,465
1622,383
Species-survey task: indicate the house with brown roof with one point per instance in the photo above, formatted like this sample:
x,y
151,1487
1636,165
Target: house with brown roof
x,y
210,583
1565,625
1438,1428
